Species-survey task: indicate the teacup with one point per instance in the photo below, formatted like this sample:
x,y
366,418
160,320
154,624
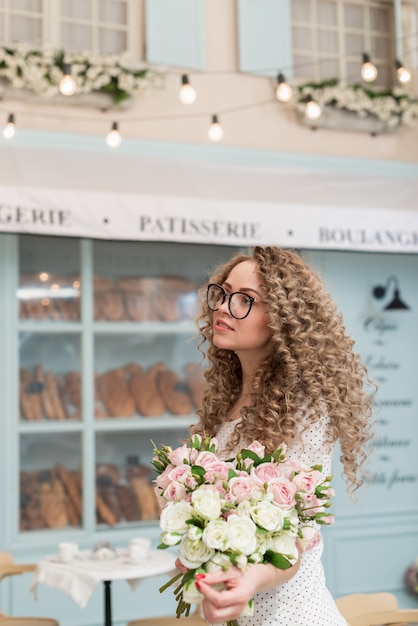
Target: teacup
x,y
139,548
67,550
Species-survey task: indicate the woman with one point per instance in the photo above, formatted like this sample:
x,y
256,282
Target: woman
x,y
280,369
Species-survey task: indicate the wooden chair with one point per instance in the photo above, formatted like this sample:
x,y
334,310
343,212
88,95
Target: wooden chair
x,y
9,568
27,621
194,619
375,609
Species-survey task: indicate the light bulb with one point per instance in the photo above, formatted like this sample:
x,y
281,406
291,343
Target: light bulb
x,y
114,138
67,83
215,132
403,74
368,70
283,90
312,110
9,129
187,94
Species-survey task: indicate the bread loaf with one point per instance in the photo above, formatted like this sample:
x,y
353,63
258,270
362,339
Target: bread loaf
x,y
51,390
110,305
144,390
138,306
104,512
53,504
115,394
127,502
110,471
30,397
146,499
71,485
109,496
174,392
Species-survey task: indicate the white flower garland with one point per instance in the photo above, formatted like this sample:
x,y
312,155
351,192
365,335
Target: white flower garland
x,y
40,71
392,107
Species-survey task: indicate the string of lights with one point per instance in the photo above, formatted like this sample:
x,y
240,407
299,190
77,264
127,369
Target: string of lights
x,y
187,95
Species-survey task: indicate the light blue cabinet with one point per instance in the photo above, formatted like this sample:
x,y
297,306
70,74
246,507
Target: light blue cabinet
x,y
99,359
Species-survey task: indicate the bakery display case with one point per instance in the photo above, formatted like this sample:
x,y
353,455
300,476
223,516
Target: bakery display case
x,y
108,363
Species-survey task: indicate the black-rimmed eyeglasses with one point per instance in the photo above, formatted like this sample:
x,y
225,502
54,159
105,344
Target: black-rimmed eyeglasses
x,y
239,303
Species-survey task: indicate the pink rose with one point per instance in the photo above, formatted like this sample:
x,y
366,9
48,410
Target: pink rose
x,y
307,480
289,467
174,492
205,459
179,455
217,470
241,488
283,491
257,448
163,480
310,538
265,472
181,474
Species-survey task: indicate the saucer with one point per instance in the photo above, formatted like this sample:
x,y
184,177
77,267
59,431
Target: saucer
x,y
130,561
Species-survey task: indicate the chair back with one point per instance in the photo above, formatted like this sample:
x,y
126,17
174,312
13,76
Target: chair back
x,y
28,621
9,568
194,619
375,609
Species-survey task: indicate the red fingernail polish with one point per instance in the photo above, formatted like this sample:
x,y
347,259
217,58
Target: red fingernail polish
x,y
198,576
197,585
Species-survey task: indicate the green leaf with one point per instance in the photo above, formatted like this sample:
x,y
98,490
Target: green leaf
x,y
277,559
198,473
232,474
249,454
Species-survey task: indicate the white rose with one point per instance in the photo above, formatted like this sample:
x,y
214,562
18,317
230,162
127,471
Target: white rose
x,y
217,535
267,516
263,542
241,561
174,516
191,594
243,534
194,553
171,539
217,562
207,503
194,533
285,544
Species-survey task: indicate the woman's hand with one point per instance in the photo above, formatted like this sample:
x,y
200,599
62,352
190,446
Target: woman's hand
x,y
181,567
239,587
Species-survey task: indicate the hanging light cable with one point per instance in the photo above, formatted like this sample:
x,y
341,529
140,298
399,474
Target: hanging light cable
x,y
312,109
187,94
67,83
403,74
9,129
114,138
368,71
283,90
215,132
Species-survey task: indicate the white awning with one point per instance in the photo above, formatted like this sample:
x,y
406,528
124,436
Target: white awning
x,y
190,194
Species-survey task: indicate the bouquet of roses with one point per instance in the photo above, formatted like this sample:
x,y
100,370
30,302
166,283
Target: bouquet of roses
x,y
254,508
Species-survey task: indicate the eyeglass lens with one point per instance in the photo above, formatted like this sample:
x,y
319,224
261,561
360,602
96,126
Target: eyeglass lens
x,y
239,304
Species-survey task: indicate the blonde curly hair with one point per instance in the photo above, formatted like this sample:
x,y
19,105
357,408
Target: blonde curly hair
x,y
310,366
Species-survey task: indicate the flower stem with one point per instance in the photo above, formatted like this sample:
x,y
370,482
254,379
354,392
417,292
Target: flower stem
x,y
170,582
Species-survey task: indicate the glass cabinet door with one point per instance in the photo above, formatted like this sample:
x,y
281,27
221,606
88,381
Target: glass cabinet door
x,y
50,481
98,385
49,278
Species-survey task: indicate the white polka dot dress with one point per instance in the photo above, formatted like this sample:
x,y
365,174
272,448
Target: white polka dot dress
x,y
304,600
